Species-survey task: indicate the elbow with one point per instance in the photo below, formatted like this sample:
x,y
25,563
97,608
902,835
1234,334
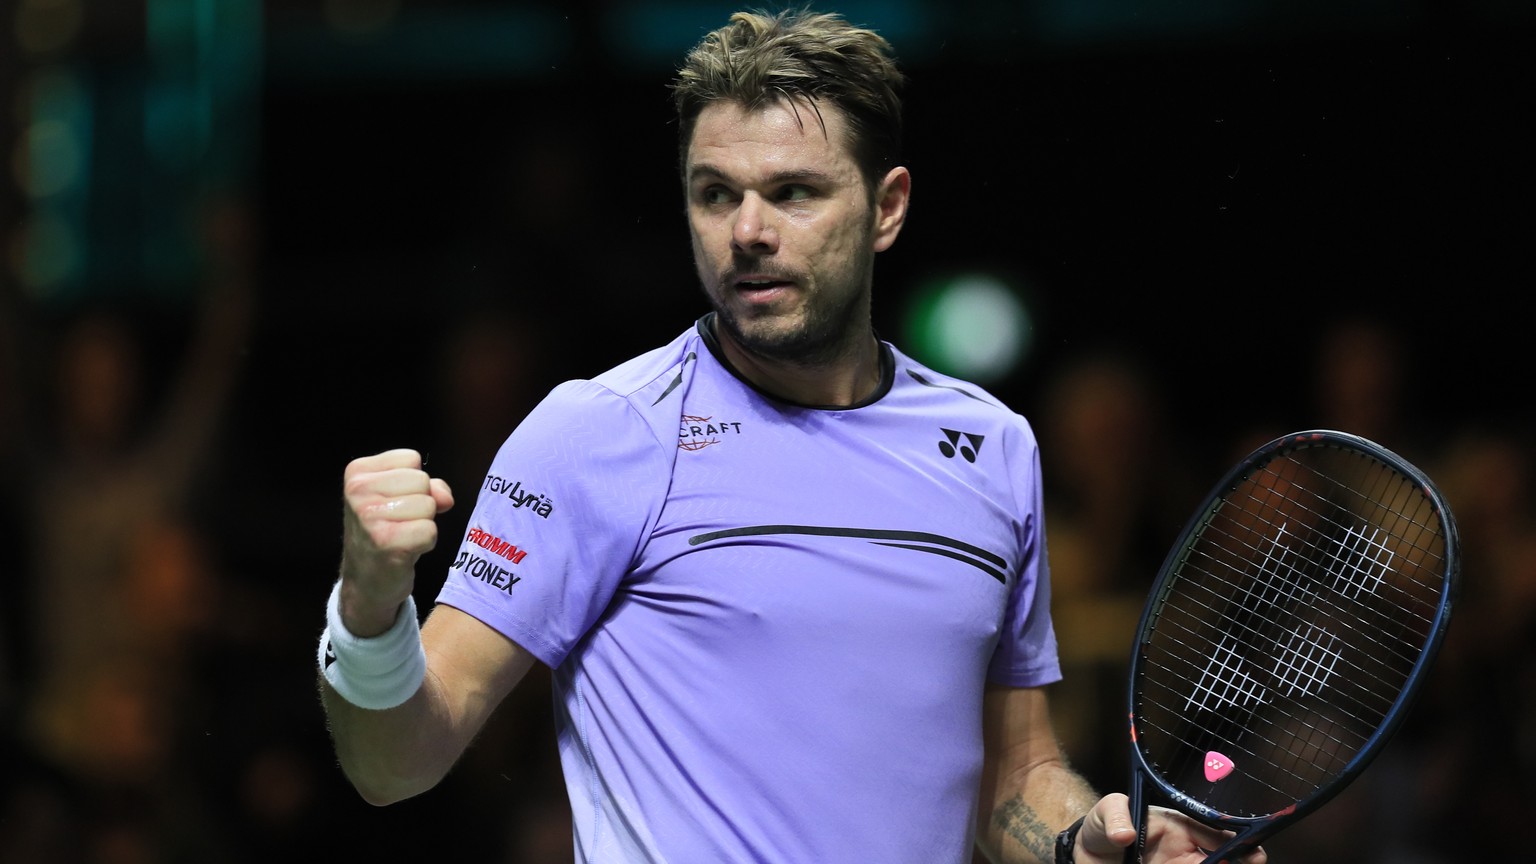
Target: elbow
x,y
383,794
384,789
379,798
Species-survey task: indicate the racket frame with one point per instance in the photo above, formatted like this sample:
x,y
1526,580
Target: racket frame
x,y
1249,831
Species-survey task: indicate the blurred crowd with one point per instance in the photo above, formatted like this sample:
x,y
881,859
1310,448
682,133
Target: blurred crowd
x,y
165,588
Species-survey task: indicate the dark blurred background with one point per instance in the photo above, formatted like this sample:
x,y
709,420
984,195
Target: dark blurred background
x,y
245,242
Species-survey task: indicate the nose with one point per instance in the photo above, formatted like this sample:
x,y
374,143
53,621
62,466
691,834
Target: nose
x,y
754,229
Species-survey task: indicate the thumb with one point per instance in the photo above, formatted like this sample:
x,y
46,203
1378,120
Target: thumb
x,y
1107,830
438,489
1115,811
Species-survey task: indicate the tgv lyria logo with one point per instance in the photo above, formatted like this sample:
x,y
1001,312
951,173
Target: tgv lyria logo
x,y
513,491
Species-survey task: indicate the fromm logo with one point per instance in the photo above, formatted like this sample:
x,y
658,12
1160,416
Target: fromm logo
x,y
491,543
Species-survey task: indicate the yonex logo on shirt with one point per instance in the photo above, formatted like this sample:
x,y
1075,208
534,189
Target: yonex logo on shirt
x,y
487,571
952,445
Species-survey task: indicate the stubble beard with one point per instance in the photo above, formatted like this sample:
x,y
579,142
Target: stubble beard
x,y
830,330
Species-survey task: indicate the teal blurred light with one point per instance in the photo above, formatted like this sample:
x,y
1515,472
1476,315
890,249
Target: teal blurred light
x,y
58,142
658,34
200,88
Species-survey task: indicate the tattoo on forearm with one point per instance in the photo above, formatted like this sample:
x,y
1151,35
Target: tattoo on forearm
x,y
1019,821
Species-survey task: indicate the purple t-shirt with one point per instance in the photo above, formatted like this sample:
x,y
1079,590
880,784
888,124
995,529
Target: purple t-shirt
x,y
770,625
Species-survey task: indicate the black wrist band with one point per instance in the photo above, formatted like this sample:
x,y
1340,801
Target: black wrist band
x,y
1066,841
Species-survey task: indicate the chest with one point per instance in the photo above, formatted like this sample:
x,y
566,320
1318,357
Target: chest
x,y
862,527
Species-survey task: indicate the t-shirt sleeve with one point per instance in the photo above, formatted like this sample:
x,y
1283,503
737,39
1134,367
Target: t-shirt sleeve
x,y
1026,653
558,520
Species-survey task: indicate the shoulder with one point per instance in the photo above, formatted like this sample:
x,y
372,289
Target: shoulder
x,y
649,377
630,395
956,397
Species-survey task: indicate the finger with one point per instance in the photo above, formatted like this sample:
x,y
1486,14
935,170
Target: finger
x,y
385,461
1257,856
413,538
393,483
404,508
398,540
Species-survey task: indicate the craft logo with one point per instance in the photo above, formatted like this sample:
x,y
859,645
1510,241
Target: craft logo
x,y
486,571
513,491
951,445
495,545
696,433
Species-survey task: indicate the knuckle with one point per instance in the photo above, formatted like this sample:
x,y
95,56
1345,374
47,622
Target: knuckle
x,y
356,485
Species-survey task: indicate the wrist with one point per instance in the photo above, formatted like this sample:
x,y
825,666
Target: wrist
x,y
363,616
1066,842
375,672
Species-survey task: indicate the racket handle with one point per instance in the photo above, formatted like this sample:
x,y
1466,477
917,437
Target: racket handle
x,y
1139,815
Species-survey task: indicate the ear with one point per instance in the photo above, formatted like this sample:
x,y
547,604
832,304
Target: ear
x,y
891,199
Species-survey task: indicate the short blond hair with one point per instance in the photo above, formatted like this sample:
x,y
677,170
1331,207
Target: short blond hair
x,y
759,58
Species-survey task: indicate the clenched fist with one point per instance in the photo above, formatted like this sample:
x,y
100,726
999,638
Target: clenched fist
x,y
389,522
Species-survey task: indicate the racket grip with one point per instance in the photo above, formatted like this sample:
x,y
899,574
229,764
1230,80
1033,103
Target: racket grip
x,y
1139,816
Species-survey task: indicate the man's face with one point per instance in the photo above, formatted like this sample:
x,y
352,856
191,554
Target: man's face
x,y
784,232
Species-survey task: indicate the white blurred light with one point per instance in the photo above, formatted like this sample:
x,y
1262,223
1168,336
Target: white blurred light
x,y
972,326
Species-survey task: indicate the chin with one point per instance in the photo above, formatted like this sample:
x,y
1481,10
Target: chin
x,y
782,336
792,345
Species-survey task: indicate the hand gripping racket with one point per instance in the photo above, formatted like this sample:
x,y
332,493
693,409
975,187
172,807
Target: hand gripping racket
x,y
1286,634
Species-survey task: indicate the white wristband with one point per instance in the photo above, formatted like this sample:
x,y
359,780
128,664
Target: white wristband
x,y
377,672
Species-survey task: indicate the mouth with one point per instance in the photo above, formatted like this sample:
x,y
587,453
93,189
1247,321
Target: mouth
x,y
761,289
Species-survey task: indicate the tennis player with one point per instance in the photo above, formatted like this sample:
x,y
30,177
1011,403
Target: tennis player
x,y
792,584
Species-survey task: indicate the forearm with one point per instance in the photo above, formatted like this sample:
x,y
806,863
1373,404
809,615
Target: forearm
x,y
1028,792
396,753
402,701
392,753
1022,814
392,721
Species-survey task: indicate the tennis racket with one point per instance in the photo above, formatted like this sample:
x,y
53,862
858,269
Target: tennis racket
x,y
1287,633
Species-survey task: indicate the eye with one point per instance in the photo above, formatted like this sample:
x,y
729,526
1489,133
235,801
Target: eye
x,y
715,194
796,192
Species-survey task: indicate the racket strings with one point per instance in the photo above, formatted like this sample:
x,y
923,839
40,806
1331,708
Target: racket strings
x,y
1280,588
1294,623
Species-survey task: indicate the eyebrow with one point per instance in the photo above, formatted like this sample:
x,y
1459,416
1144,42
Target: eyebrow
x,y
777,178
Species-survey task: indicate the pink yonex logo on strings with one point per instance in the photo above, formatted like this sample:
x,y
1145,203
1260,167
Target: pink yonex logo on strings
x,y
1217,766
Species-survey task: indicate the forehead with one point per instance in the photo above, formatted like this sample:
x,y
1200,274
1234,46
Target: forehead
x,y
780,136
